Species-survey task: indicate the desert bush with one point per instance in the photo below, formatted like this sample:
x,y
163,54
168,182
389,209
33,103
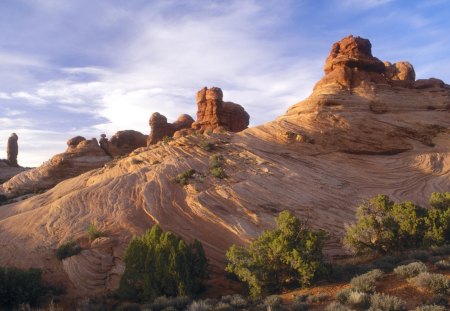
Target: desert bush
x,y
366,282
207,146
161,263
440,250
439,299
342,295
384,226
382,302
236,301
316,298
411,270
183,178
223,306
216,161
430,308
273,302
136,161
166,139
19,286
163,302
68,249
200,305
420,255
218,172
289,254
336,306
93,232
299,306
443,264
301,298
433,282
359,300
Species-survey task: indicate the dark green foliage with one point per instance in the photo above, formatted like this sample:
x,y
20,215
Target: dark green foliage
x,y
183,178
160,263
68,249
384,226
215,166
291,254
93,232
19,287
207,146
166,139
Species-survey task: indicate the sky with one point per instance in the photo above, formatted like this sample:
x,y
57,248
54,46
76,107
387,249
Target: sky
x,y
84,67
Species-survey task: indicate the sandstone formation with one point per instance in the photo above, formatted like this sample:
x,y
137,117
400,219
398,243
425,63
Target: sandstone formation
x,y
123,142
13,149
215,114
81,156
160,128
357,135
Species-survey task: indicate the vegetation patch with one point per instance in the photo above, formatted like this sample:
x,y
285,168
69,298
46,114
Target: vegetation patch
x,y
433,282
19,287
384,226
366,282
94,233
290,254
207,145
411,270
216,166
183,178
382,302
68,249
161,263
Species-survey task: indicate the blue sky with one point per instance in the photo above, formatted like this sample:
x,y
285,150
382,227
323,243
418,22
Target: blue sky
x,y
84,67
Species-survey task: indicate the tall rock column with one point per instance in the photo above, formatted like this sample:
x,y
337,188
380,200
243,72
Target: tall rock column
x,y
13,149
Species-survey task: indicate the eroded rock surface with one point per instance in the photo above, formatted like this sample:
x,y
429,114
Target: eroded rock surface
x,y
123,142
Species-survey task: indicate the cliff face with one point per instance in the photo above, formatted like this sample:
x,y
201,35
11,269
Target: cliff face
x,y
367,128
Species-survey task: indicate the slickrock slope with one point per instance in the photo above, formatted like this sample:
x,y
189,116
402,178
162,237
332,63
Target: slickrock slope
x,y
360,133
81,156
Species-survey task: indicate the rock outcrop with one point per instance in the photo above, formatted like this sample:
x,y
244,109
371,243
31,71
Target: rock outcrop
x,y
123,142
81,156
160,128
12,150
213,114
354,137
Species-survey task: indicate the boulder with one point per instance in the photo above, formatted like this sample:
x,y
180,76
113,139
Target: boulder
x,y
213,113
160,128
123,142
400,73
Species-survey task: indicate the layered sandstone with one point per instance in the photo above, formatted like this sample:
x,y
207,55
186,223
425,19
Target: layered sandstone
x,y
81,156
357,135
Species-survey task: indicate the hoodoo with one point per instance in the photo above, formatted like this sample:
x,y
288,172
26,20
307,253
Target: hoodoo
x,y
13,149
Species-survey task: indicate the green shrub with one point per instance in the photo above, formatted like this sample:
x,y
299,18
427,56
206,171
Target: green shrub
x,y
216,161
411,270
160,263
366,282
382,302
207,146
183,178
433,282
384,226
430,308
290,254
236,301
93,232
68,249
19,286
166,139
218,172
